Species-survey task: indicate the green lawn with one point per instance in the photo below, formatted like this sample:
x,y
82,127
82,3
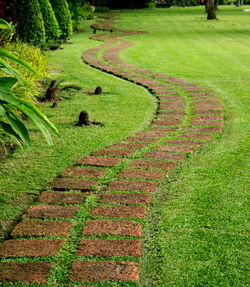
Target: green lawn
x,y
123,109
197,232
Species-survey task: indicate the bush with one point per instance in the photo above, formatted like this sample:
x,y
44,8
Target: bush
x,y
12,106
35,58
102,9
87,11
74,6
151,5
30,25
7,32
62,13
52,30
78,25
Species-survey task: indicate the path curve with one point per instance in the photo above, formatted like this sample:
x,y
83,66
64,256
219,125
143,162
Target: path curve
x,y
76,239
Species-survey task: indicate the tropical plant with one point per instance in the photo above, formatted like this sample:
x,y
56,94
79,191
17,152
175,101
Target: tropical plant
x,y
62,13
7,31
52,30
30,22
87,11
35,57
12,106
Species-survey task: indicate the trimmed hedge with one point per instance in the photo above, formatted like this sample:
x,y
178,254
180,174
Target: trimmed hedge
x,y
30,22
52,30
62,13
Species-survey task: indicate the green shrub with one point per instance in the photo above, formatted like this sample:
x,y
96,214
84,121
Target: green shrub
x,y
34,57
52,30
101,9
62,13
87,11
7,31
30,22
74,6
11,106
78,25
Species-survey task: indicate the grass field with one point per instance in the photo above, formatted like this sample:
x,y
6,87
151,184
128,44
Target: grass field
x,y
197,233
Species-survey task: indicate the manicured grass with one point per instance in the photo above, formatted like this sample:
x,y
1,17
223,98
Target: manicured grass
x,y
196,234
197,231
123,108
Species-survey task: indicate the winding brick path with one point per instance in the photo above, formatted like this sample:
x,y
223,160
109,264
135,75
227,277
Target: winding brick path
x,y
105,245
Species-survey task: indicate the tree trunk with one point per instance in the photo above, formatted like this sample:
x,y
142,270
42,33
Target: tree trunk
x,y
211,12
238,3
242,2
206,6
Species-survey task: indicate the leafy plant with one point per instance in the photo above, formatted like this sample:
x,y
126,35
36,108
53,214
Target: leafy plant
x,y
62,13
7,32
52,30
30,26
34,57
11,106
101,9
87,11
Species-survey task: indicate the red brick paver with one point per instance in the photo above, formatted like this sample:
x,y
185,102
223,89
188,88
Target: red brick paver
x,y
84,172
167,123
184,142
176,148
91,271
152,134
58,197
147,164
51,211
126,198
30,247
113,227
114,152
109,247
164,155
120,211
99,161
162,129
132,185
29,272
143,174
41,228
197,136
73,183
141,139
128,146
206,129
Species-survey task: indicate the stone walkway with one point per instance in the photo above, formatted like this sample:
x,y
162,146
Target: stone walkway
x,y
72,237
